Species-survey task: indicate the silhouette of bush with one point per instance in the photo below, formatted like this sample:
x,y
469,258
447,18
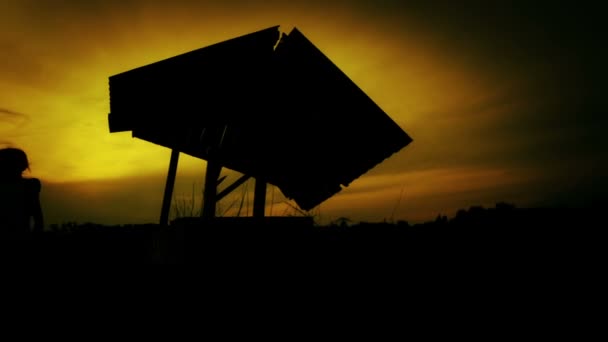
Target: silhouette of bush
x,y
502,234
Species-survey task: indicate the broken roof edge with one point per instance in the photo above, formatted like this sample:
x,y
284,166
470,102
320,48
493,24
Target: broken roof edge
x,y
387,156
310,205
297,34
276,28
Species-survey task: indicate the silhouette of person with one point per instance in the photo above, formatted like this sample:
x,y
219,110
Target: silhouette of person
x,y
19,196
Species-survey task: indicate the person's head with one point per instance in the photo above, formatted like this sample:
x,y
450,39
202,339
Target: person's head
x,y
13,162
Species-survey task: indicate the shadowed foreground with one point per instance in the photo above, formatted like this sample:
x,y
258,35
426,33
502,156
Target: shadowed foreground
x,y
530,237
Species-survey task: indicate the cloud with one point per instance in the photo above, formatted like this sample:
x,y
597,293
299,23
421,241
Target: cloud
x,y
10,113
103,201
15,120
12,117
482,88
23,63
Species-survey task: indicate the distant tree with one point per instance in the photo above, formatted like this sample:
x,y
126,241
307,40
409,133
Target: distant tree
x,y
342,222
403,224
505,206
441,219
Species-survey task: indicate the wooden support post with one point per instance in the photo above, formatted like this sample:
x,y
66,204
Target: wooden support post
x,y
210,192
259,198
232,187
164,213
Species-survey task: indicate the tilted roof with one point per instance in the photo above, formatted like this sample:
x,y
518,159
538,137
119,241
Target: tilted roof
x,y
265,104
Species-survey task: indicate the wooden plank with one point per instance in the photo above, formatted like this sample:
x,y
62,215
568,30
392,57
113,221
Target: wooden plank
x,y
259,198
232,187
210,193
164,213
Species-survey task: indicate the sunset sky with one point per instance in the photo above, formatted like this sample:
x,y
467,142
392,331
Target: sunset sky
x,y
505,101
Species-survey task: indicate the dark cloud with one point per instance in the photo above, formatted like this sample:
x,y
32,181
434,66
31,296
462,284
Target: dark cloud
x,y
555,119
25,63
103,201
11,114
12,117
509,35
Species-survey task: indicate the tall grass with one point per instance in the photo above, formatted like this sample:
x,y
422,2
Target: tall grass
x,y
183,206
236,204
186,205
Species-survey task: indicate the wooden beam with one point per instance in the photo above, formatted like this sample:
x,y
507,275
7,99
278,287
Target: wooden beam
x,y
164,213
219,181
259,198
210,193
230,188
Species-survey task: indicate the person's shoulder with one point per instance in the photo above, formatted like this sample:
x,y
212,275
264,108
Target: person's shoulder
x,y
34,184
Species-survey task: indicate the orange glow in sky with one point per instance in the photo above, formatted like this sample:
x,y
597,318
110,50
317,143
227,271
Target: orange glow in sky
x,y
467,110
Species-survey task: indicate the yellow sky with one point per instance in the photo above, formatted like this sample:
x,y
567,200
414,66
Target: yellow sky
x,y
56,57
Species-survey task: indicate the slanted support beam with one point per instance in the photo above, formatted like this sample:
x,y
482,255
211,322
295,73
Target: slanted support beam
x,y
164,213
259,198
230,188
210,193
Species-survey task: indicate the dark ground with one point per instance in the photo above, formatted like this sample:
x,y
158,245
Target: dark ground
x,y
503,235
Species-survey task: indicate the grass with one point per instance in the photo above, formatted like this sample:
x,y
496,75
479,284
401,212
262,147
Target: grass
x,y
188,205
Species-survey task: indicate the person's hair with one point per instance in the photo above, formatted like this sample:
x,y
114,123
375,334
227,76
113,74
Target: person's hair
x,y
13,162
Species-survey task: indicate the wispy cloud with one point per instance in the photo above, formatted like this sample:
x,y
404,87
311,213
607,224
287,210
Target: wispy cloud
x,y
13,118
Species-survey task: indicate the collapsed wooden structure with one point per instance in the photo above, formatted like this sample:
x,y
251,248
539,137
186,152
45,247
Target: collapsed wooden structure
x,y
268,105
